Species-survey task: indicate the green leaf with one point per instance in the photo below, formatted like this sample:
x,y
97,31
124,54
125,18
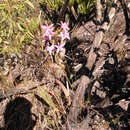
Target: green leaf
x,y
71,2
22,39
33,25
79,1
20,27
29,3
43,93
0,39
2,6
30,34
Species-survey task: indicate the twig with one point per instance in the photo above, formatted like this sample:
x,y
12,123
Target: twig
x,y
74,13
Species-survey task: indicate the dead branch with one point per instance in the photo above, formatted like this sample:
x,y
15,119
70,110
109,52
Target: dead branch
x,y
99,8
99,35
126,10
77,104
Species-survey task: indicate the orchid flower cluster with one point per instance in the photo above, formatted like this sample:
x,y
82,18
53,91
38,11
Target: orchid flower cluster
x,y
55,39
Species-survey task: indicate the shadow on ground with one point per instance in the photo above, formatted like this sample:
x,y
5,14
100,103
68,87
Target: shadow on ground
x,y
18,115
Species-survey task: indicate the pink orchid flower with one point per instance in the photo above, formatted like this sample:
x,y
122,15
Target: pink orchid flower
x,y
64,35
59,47
64,26
50,49
48,31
